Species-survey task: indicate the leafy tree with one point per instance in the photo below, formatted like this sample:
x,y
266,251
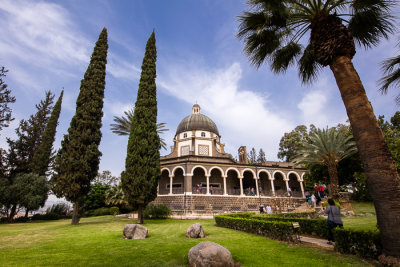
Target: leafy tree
x,y
327,147
122,126
96,198
391,131
261,156
42,155
142,165
274,32
5,99
106,178
252,156
77,162
290,143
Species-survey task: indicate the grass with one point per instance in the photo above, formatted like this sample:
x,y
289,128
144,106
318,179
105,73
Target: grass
x,y
97,241
360,221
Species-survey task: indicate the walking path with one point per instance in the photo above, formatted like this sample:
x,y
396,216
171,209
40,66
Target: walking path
x,y
323,243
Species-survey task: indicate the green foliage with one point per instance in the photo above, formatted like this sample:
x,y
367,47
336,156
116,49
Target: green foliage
x,y
142,165
106,178
42,155
366,244
59,208
96,198
261,156
116,196
273,229
391,132
360,188
291,142
77,161
122,126
252,156
99,212
5,100
55,212
157,212
114,210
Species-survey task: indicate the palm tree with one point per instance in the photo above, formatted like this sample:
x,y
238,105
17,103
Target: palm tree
x,y
275,31
326,147
115,196
122,126
391,69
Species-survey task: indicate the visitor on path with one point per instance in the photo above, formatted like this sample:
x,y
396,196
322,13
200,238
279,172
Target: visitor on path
x,y
252,191
321,191
262,210
260,190
201,188
289,191
307,195
197,188
269,209
211,189
334,219
314,200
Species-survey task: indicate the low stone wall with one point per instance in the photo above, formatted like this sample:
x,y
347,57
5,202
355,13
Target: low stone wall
x,y
208,205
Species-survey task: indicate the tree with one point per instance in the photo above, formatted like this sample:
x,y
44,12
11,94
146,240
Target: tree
x,y
261,156
96,198
252,156
122,126
326,147
5,99
142,165
106,178
290,143
42,155
115,196
77,162
273,32
391,70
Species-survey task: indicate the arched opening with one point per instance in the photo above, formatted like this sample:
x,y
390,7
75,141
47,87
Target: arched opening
x,y
163,188
216,182
264,184
294,185
280,185
177,182
199,181
249,184
232,183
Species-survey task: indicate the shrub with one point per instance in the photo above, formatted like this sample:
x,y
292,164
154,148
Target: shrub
x,y
308,215
114,210
60,209
366,244
98,212
273,229
157,212
49,216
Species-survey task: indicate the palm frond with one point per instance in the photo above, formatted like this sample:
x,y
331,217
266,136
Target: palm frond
x,y
308,66
284,57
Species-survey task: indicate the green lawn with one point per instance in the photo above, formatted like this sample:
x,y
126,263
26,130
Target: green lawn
x,y
97,241
361,222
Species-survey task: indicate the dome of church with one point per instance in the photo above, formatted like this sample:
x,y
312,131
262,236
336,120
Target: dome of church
x,y
197,121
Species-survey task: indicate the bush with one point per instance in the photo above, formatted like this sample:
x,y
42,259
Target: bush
x,y
49,216
273,229
98,212
308,215
60,209
157,212
114,210
366,244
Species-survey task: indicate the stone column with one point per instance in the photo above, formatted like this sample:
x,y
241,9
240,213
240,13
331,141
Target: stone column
x,y
272,187
241,185
287,185
258,193
208,184
225,193
188,184
302,189
170,184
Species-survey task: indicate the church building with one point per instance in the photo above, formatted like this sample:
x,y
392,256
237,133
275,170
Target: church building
x,y
198,177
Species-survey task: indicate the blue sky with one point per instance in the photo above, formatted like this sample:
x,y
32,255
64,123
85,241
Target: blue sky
x,y
46,45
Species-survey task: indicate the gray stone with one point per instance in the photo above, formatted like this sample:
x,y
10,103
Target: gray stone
x,y
195,231
135,231
207,254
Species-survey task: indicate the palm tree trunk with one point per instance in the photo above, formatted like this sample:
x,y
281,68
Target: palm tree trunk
x,y
333,176
382,177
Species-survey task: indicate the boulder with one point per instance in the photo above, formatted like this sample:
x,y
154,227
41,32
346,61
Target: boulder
x,y
195,231
135,231
210,254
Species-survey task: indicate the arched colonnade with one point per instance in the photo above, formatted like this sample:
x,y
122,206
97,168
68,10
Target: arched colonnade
x,y
242,181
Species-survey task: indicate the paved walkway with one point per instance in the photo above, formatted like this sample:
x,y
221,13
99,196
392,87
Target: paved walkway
x,y
316,242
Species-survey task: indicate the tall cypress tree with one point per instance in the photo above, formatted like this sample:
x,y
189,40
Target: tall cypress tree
x,y
41,157
77,161
142,165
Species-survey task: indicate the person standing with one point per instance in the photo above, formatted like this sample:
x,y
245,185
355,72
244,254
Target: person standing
x,y
314,200
262,209
269,209
211,189
334,219
289,191
201,188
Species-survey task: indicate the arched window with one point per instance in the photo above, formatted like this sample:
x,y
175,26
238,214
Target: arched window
x,y
203,134
184,135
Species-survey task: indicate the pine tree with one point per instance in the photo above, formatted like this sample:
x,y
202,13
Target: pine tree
x,y
252,156
42,156
77,162
5,99
261,156
142,165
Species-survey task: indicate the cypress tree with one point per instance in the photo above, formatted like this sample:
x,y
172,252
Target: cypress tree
x,y
142,165
41,157
77,162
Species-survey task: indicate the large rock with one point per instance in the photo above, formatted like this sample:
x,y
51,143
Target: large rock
x,y
210,254
135,231
195,231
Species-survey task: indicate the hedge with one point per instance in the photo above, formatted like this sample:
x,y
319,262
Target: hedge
x,y
366,244
273,229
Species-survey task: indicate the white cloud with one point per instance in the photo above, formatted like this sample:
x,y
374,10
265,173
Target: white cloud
x,y
312,107
241,115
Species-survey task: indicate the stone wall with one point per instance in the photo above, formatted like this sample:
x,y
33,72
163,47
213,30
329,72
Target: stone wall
x,y
208,205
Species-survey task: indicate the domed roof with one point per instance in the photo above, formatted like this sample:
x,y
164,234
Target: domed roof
x,y
197,121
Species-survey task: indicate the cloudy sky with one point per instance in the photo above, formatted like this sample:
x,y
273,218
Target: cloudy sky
x,y
46,45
